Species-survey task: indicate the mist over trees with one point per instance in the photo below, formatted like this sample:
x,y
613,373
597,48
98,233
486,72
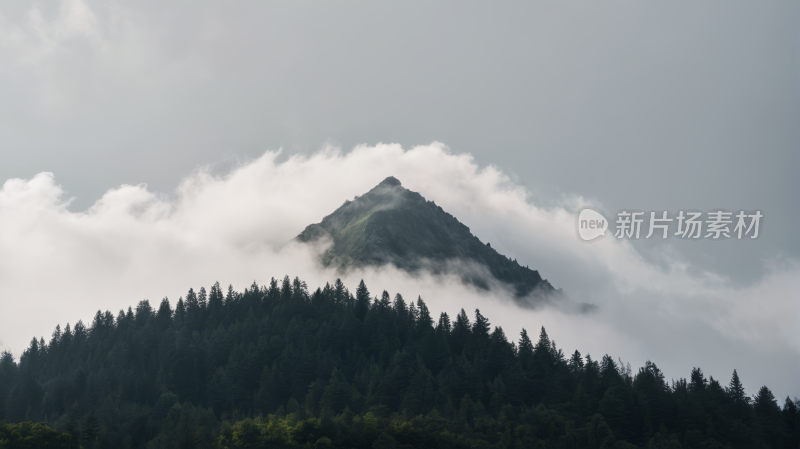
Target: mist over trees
x,y
278,366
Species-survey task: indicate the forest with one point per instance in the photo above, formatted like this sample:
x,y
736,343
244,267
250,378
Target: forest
x,y
280,366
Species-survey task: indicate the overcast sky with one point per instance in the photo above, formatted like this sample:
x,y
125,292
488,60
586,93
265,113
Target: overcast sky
x,y
649,106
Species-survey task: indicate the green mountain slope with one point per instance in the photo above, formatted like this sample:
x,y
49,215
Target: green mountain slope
x,y
391,224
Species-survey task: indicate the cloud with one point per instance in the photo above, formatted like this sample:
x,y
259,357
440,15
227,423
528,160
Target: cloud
x,y
132,244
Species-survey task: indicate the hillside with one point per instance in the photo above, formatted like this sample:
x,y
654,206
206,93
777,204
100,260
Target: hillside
x,y
393,225
277,366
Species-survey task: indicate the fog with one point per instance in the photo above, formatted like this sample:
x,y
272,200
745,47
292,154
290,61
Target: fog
x,y
237,227
654,105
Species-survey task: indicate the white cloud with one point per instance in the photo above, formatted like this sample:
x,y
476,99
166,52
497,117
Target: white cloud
x,y
58,266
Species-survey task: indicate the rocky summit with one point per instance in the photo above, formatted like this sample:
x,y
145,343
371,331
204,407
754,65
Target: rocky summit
x,y
393,225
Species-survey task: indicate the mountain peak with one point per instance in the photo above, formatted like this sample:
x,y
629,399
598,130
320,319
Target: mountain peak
x,y
393,225
390,181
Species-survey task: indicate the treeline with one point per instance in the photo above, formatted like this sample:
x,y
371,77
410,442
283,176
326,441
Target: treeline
x,y
277,366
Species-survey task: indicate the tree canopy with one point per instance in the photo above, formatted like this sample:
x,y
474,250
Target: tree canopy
x,y
279,366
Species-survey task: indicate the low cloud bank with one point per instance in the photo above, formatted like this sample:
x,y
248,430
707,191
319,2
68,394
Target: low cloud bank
x,y
58,266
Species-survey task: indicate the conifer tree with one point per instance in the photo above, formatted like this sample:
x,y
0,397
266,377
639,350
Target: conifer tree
x,y
339,292
79,334
286,290
481,326
55,339
180,313
215,299
697,382
90,430
8,377
98,328
164,314
362,301
202,299
425,322
400,309
576,363
735,390
143,313
66,337
765,403
120,323
230,296
443,327
462,330
384,303
525,348
791,419
543,346
300,290
192,310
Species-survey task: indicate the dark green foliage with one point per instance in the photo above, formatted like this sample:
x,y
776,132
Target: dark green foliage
x,y
278,366
391,224
28,435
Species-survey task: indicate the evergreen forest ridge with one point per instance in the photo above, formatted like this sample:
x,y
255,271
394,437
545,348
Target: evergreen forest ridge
x,y
277,366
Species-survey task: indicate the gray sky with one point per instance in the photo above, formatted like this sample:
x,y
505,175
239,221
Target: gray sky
x,y
651,106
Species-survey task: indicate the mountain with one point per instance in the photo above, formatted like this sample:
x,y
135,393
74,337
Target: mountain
x,y
393,225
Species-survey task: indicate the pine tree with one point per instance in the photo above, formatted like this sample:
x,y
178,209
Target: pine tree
x,y
735,391
525,348
202,299
362,301
8,377
215,302
443,327
765,403
192,310
481,326
501,353
80,334
425,322
286,290
120,322
55,339
90,430
462,331
230,297
543,345
164,314
66,337
143,313
384,304
339,292
180,313
251,298
108,319
400,309
791,418
697,382
300,291
576,363
32,355
609,371
98,328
